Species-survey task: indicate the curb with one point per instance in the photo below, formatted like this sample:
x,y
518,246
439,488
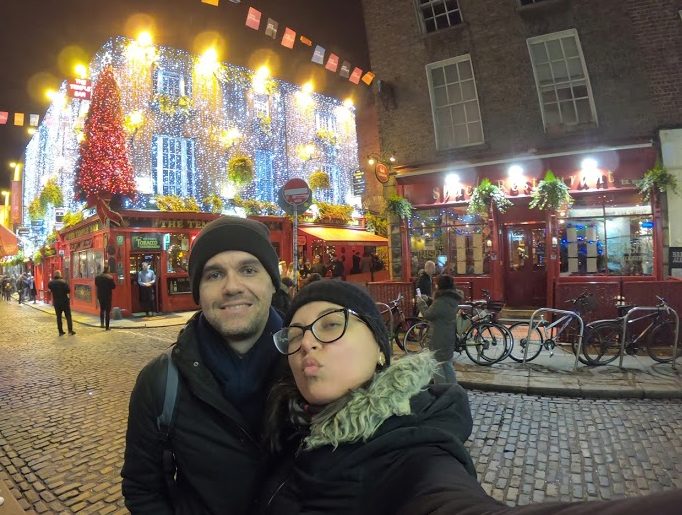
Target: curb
x,y
10,506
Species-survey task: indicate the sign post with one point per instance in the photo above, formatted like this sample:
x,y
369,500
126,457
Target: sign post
x,y
294,194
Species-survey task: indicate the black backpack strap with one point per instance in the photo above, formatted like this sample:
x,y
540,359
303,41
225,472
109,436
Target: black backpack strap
x,y
164,422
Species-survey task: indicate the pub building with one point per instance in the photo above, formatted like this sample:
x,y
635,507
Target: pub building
x,y
608,239
164,238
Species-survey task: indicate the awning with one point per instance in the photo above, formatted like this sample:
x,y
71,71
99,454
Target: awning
x,y
340,235
8,242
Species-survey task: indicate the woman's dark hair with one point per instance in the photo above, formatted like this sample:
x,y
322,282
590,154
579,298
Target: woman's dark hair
x,y
313,277
287,281
445,282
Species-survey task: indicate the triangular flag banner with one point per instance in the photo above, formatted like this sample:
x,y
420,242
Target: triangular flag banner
x,y
211,2
271,28
3,117
355,76
33,120
289,38
368,77
318,55
306,41
345,70
18,118
253,18
332,63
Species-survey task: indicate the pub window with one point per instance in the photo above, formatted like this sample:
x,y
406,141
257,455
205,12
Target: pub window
x,y
613,237
458,243
170,83
87,264
177,248
173,160
438,14
454,103
562,81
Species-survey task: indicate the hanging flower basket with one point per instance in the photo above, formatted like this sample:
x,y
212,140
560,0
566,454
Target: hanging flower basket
x,y
485,197
551,194
399,206
319,180
214,203
240,170
655,181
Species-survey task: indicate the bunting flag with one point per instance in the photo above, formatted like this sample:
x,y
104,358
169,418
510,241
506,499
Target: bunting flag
x,y
253,18
306,41
368,77
318,55
235,1
4,115
332,63
271,28
289,38
19,119
345,70
33,120
355,76
211,2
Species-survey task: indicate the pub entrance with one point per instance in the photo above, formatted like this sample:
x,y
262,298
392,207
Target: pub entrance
x,y
136,260
525,275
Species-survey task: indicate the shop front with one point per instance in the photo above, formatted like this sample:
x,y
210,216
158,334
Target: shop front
x,y
532,258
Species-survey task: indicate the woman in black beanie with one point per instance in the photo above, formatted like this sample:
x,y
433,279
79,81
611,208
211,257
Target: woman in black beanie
x,y
357,434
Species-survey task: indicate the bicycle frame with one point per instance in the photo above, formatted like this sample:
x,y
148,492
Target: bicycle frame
x,y
567,314
657,310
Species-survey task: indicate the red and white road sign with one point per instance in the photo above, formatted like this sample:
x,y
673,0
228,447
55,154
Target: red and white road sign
x,y
296,192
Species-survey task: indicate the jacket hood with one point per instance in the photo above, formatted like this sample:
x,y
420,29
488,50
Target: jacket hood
x,y
400,394
448,294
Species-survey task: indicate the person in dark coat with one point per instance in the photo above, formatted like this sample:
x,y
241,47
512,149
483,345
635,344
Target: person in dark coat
x,y
359,435
61,291
227,364
442,317
424,281
105,285
146,281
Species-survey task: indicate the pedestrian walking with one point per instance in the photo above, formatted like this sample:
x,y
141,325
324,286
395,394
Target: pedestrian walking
x,y
146,280
21,284
61,301
105,285
31,287
226,362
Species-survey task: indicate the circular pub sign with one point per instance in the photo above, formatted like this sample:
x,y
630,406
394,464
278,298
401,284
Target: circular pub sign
x,y
381,172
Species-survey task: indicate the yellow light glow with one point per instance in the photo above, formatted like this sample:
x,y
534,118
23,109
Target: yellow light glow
x,y
305,152
141,51
371,161
144,38
308,87
137,117
348,103
230,136
304,97
17,172
80,137
12,165
260,79
50,93
31,131
207,63
81,71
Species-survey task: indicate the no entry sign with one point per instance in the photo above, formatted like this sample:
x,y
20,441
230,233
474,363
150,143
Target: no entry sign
x,y
296,192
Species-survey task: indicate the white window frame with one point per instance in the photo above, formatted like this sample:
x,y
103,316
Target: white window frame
x,y
261,104
325,121
166,74
554,36
422,21
443,64
186,162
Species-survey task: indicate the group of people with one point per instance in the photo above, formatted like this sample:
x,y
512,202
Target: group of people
x,y
304,412
25,285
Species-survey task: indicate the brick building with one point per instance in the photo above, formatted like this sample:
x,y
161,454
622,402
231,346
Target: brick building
x,y
506,90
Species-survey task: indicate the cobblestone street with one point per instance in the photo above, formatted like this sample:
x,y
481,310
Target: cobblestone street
x,y
63,409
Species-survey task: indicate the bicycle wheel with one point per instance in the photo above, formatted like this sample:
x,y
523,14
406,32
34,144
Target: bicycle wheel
x,y
601,343
485,343
416,337
661,341
520,342
401,330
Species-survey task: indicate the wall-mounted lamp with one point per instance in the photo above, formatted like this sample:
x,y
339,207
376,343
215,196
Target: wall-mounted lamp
x,y
555,241
382,157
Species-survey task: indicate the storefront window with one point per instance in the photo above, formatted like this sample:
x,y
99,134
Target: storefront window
x,y
458,243
178,253
614,237
87,263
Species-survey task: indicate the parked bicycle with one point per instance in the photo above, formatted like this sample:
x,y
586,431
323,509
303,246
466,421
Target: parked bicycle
x,y
548,335
398,324
485,342
603,344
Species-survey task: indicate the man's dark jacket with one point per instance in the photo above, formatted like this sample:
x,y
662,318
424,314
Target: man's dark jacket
x,y
220,461
60,292
105,286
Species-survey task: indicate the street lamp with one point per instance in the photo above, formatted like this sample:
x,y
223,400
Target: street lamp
x,y
387,158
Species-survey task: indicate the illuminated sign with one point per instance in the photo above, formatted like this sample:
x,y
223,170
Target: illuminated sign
x,y
79,88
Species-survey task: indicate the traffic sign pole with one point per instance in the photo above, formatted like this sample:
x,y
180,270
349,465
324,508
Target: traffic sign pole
x,y
295,277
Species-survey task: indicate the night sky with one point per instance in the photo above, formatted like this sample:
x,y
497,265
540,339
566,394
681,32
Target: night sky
x,y
35,32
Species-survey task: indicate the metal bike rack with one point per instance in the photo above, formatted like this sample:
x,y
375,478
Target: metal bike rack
x,y
645,308
572,314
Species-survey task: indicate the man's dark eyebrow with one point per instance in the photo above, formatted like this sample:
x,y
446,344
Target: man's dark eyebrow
x,y
250,262
212,268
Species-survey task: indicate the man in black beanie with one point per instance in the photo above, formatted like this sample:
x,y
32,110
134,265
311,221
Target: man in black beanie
x,y
213,461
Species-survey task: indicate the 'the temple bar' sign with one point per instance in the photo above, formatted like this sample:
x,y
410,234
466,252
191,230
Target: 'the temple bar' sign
x,y
80,88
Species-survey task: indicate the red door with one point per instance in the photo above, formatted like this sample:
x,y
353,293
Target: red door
x,y
525,276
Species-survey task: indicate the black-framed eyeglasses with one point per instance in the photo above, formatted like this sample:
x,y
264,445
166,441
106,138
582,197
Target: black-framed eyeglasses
x,y
326,328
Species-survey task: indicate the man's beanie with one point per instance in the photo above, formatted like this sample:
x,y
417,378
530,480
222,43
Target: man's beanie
x,y
232,233
349,296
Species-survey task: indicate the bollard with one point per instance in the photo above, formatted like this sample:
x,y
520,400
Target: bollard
x,y
116,313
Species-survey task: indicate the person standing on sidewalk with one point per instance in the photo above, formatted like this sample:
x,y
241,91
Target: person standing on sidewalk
x,y
60,300
146,279
105,285
213,461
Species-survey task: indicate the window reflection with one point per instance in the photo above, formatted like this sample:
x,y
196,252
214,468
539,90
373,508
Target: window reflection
x,y
178,253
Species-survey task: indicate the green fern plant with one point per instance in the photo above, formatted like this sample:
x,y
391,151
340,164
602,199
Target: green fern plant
x,y
399,206
340,214
551,194
376,224
319,180
214,203
487,196
240,170
655,181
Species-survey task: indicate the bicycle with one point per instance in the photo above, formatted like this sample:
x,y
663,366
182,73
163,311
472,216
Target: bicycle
x,y
604,342
398,324
484,341
548,335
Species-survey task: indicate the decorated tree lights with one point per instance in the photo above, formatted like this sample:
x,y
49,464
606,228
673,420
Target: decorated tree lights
x,y
104,170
